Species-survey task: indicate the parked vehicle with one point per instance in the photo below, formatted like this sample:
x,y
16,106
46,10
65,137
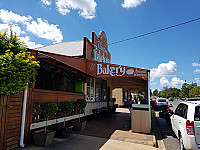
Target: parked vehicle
x,y
161,103
186,124
171,99
166,113
152,102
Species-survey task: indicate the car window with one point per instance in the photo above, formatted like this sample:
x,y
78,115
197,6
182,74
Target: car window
x,y
197,113
184,111
179,110
161,100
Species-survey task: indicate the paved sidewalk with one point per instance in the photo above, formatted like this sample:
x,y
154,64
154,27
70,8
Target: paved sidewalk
x,y
105,134
122,145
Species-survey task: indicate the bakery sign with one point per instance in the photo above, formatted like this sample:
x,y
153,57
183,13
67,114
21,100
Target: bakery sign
x,y
101,53
110,70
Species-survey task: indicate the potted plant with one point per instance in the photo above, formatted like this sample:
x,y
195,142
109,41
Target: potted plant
x,y
63,131
44,137
80,125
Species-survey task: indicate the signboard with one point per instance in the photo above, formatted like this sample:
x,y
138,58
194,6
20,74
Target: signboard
x,y
101,53
106,70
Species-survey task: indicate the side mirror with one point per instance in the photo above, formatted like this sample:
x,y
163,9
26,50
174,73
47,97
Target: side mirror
x,y
170,105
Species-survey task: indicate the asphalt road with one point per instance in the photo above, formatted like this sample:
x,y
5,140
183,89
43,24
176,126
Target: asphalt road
x,y
170,142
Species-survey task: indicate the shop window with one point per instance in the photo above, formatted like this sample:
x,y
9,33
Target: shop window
x,y
90,90
78,87
98,90
49,80
104,92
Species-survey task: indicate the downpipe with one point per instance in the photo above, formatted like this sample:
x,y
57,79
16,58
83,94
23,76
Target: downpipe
x,y
23,118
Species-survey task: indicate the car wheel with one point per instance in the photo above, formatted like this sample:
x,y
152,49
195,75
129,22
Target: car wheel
x,y
181,143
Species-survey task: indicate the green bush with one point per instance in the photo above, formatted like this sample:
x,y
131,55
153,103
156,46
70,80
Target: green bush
x,y
66,107
153,114
81,104
17,67
49,108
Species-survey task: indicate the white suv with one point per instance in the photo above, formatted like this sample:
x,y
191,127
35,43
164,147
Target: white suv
x,y
186,124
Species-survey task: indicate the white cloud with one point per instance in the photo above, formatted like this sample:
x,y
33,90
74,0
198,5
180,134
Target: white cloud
x,y
132,3
87,8
196,64
40,28
15,28
197,70
174,83
154,83
30,44
164,70
164,81
9,17
197,79
46,2
45,30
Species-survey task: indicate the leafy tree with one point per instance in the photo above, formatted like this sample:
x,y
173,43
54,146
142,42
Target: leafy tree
x,y
81,104
195,92
173,92
66,108
186,88
17,66
48,108
155,92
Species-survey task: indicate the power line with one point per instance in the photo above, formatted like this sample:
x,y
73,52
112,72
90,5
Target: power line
x,y
156,31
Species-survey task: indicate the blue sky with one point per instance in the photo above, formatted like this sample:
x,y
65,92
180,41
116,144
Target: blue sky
x,y
172,55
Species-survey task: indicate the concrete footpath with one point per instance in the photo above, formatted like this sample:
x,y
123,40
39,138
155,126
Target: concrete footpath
x,y
105,134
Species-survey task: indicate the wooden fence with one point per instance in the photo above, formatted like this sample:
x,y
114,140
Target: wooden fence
x,y
10,118
10,121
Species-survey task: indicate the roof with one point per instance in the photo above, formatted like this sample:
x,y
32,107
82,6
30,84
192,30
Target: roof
x,y
72,48
191,102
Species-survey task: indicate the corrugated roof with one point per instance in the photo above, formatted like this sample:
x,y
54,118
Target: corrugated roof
x,y
72,48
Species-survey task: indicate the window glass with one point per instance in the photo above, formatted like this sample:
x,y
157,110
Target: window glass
x,y
178,110
104,90
90,89
197,113
54,81
161,100
98,89
185,110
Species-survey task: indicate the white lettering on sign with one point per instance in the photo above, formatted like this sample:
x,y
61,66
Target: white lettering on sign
x,y
112,71
140,73
100,58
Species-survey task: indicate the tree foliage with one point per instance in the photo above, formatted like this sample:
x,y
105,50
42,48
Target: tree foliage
x,y
49,108
195,92
66,107
156,92
81,103
186,88
17,66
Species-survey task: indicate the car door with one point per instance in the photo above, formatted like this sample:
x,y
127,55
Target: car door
x,y
197,123
176,118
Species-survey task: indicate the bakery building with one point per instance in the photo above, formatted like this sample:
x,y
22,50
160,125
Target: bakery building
x,y
73,70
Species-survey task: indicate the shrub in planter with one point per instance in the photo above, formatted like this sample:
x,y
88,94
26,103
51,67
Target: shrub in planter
x,y
153,114
63,131
45,137
80,125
